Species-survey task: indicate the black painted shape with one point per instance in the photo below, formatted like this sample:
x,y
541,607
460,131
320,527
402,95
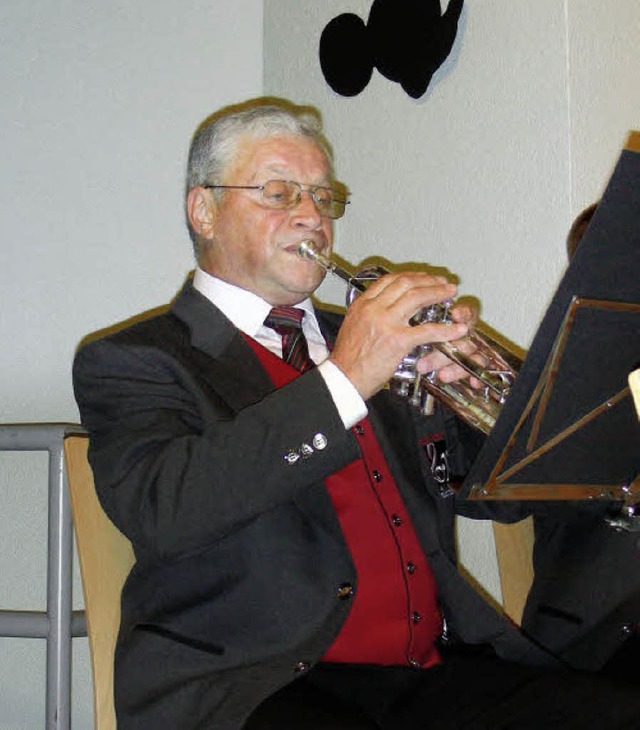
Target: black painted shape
x,y
406,40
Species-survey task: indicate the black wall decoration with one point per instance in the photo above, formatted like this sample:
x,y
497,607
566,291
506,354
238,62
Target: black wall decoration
x,y
406,40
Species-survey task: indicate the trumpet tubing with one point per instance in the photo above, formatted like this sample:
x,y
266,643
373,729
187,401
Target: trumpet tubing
x,y
479,407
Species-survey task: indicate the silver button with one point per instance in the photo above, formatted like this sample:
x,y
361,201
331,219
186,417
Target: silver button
x,y
291,457
302,667
306,450
320,441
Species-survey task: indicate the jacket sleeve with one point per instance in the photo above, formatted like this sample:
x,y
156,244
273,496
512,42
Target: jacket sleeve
x,y
177,467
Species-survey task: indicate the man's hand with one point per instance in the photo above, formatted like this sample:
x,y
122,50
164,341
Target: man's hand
x,y
376,333
448,371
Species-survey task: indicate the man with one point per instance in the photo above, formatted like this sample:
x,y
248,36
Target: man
x,y
295,557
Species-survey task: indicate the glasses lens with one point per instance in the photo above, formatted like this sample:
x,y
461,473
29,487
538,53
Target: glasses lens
x,y
323,198
328,202
337,208
286,194
280,193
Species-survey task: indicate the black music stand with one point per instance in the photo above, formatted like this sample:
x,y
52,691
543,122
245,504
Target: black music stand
x,y
569,429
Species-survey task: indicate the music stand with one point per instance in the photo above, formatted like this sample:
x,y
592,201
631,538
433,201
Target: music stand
x,y
569,429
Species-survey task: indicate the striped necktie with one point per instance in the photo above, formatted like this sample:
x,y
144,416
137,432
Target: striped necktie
x,y
287,322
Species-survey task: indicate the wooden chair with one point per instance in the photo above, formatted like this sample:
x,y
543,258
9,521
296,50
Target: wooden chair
x,y
634,385
514,549
106,557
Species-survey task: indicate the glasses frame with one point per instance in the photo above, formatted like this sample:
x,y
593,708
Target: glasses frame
x,y
311,189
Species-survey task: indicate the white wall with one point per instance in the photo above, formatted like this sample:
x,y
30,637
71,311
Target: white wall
x,y
517,132
98,102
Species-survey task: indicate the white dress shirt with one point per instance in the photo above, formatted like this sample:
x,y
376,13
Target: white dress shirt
x,y
248,311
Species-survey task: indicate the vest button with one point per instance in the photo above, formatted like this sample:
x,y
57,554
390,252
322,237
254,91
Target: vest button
x,y
411,568
301,667
377,477
358,429
414,663
397,520
416,616
345,591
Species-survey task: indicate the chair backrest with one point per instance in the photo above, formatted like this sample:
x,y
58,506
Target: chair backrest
x,y
634,384
106,557
514,549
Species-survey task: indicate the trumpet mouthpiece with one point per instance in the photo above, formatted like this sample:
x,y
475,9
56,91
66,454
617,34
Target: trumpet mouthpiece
x,y
307,249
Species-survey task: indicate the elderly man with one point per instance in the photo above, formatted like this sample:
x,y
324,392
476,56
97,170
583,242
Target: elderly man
x,y
295,558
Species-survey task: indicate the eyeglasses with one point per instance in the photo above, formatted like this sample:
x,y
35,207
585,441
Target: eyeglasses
x,y
282,194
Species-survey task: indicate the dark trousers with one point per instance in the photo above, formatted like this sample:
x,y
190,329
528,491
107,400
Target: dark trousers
x,y
472,690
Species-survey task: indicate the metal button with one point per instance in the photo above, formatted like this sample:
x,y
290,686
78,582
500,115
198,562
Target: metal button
x,y
320,441
397,520
306,450
414,663
358,429
345,591
416,616
377,477
626,629
291,457
411,568
302,667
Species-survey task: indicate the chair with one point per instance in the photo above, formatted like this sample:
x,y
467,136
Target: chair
x,y
634,385
106,557
58,624
514,549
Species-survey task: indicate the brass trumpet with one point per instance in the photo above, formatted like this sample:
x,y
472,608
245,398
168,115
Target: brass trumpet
x,y
479,407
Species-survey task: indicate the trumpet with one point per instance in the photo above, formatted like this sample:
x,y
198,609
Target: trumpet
x,y
495,366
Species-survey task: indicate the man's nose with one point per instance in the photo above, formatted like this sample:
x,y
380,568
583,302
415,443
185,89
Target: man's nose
x,y
306,212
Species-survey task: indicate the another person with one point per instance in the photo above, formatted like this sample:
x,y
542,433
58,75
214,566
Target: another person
x,y
584,604
295,561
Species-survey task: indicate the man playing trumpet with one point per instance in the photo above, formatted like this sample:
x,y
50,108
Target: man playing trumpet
x,y
292,528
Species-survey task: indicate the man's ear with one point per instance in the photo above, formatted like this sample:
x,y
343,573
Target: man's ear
x,y
201,211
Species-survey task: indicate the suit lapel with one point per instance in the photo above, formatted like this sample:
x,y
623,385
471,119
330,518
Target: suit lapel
x,y
230,368
224,360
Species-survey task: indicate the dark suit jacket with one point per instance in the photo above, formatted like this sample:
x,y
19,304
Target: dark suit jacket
x,y
585,598
239,551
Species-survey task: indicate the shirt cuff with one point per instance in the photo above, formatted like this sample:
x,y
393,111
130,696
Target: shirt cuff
x,y
351,407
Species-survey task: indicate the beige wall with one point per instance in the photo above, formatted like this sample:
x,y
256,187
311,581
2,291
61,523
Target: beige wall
x,y
98,102
517,132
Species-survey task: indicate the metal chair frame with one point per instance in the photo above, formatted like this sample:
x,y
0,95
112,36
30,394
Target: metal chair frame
x,y
59,623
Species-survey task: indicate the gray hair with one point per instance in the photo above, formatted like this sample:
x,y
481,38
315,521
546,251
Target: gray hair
x,y
216,140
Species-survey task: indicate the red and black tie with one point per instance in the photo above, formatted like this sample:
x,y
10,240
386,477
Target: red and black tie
x,y
287,322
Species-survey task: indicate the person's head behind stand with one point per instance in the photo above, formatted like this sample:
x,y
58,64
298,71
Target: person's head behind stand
x,y
579,228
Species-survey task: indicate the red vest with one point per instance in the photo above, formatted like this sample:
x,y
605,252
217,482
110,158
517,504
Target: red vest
x,y
395,618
